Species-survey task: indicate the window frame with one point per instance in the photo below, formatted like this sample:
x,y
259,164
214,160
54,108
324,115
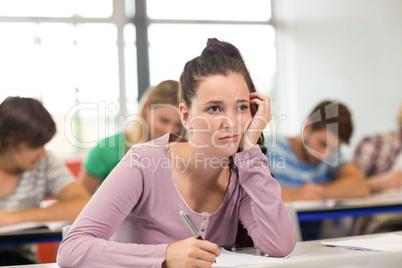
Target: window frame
x,y
142,22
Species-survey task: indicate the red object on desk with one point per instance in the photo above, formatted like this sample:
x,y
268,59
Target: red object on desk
x,y
74,165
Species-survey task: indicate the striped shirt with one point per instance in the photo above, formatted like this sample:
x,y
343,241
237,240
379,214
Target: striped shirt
x,y
290,171
47,178
377,154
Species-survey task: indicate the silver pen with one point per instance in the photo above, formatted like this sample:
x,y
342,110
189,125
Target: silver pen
x,y
191,225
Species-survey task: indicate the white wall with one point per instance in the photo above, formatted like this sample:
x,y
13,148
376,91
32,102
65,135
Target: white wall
x,y
347,50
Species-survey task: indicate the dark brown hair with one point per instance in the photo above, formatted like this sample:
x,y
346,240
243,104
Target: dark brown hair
x,y
217,58
24,120
335,116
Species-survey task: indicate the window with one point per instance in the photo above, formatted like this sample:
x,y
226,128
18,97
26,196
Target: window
x,y
178,31
89,60
167,55
67,55
56,9
210,10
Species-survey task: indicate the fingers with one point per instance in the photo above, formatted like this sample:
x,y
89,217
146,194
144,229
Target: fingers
x,y
258,122
311,191
263,102
205,257
207,251
211,248
191,252
258,96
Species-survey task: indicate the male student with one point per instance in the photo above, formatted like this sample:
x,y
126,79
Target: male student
x,y
28,174
310,166
379,157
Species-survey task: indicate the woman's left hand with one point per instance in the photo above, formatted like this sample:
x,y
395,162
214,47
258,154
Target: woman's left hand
x,y
259,120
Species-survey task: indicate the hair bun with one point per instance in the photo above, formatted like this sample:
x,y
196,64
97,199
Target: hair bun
x,y
214,46
213,42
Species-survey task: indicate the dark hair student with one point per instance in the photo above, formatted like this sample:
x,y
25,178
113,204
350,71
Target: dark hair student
x,y
333,114
218,175
29,174
24,120
218,58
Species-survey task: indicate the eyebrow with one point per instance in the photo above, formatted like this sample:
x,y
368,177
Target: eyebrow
x,y
221,102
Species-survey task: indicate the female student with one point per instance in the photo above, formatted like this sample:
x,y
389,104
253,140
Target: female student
x,y
156,118
218,176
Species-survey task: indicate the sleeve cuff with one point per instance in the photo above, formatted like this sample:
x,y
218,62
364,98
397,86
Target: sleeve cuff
x,y
254,152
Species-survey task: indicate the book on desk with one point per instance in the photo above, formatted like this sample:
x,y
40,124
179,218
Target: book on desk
x,y
50,225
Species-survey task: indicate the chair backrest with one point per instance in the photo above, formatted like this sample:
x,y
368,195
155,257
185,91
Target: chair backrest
x,y
293,213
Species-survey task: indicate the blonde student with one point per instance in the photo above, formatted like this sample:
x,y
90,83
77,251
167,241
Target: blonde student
x,y
218,175
157,116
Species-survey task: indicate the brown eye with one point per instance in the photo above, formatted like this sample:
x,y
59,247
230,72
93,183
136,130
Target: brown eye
x,y
214,108
243,108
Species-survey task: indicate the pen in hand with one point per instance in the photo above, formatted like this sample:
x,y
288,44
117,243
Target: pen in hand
x,y
191,225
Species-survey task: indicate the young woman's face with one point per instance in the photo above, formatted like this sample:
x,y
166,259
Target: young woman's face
x,y
164,119
219,114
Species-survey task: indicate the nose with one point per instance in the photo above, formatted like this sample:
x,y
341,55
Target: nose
x,y
328,153
229,120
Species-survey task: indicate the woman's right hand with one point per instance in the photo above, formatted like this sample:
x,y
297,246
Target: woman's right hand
x,y
191,252
260,119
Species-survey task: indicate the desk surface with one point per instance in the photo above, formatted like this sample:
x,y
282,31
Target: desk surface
x,y
314,254
388,202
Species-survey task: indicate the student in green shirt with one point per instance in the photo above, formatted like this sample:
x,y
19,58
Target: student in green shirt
x,y
157,116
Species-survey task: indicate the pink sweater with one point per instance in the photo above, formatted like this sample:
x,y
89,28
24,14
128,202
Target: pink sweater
x,y
134,215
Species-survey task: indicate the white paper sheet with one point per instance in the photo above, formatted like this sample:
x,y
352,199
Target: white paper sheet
x,y
388,242
311,204
235,259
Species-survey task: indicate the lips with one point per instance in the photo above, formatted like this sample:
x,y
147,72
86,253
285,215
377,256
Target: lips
x,y
230,138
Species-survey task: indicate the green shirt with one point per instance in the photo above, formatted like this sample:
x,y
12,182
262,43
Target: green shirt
x,y
105,156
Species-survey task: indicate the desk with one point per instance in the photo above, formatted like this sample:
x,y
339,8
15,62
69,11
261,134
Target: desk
x,y
46,265
318,210
314,254
29,236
